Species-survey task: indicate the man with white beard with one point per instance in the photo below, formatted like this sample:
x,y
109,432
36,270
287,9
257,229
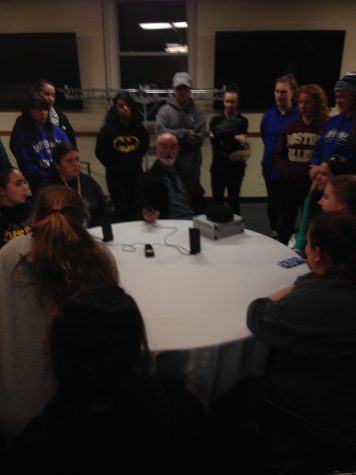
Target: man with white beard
x,y
166,192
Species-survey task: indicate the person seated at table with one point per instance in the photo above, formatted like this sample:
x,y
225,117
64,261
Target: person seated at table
x,y
109,411
33,138
333,166
39,272
14,205
311,328
340,194
165,191
67,173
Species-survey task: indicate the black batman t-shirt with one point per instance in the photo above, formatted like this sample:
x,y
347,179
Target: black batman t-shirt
x,y
14,222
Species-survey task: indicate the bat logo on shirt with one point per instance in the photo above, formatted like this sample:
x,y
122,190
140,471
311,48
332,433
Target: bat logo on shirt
x,y
126,143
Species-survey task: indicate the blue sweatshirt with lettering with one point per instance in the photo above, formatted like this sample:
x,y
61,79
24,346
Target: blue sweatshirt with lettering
x,y
34,158
272,125
336,139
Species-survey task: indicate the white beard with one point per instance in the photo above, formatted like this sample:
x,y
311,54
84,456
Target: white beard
x,y
168,162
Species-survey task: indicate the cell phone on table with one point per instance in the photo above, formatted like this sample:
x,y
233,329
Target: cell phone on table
x,y
291,262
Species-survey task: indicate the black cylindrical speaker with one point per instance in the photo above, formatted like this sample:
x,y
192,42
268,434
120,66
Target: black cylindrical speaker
x,y
194,240
107,231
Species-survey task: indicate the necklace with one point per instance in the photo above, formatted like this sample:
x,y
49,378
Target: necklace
x,y
79,187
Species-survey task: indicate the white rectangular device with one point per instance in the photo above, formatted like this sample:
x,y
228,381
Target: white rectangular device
x,y
213,230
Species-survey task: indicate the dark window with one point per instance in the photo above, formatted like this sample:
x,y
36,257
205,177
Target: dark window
x,y
26,57
258,58
144,59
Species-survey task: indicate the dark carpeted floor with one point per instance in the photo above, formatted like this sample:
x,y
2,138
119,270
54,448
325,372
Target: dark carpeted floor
x,y
255,214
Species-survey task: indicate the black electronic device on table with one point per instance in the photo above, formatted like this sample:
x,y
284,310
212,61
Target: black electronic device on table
x,y
194,240
149,252
107,231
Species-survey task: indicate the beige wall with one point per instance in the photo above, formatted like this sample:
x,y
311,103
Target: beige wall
x,y
98,59
85,18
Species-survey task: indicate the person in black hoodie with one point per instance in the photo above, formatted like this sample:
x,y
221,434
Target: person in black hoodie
x,y
121,146
110,411
14,206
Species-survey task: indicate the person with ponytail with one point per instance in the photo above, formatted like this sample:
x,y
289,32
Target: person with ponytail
x,y
38,272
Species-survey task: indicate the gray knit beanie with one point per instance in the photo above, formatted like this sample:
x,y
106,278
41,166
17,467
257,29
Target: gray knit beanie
x,y
347,83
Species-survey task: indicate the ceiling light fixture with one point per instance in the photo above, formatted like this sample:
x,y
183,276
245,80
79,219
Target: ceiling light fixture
x,y
180,24
155,26
176,48
163,25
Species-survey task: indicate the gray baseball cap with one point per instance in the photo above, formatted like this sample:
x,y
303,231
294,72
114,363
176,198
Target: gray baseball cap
x,y
182,79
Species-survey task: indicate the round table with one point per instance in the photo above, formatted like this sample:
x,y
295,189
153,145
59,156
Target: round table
x,y
194,306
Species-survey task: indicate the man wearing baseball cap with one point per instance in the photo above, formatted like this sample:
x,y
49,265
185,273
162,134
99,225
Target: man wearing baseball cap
x,y
338,135
182,118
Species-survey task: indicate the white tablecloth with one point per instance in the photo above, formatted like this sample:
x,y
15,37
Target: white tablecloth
x,y
194,307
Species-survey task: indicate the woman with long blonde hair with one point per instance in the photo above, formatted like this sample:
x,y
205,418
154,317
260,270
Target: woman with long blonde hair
x,y
62,248
37,273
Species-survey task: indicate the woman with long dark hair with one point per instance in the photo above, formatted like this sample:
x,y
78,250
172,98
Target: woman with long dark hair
x,y
121,146
33,139
14,206
38,272
46,88
109,403
311,329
